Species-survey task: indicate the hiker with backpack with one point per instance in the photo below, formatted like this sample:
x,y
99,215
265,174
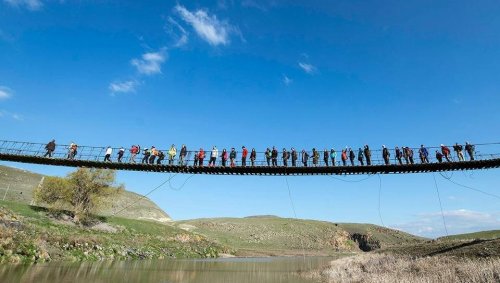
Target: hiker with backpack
x,y
285,157
182,155
294,157
470,150
439,156
333,156
224,157
344,157
201,156
458,148
446,152
121,152
161,156
368,155
107,156
172,152
134,150
50,148
424,154
253,156
360,157
153,155
386,155
305,157
399,155
232,157
274,157
326,157
352,156
268,156
315,157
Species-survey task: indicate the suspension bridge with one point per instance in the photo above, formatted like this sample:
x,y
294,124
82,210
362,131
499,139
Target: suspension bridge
x,y
486,156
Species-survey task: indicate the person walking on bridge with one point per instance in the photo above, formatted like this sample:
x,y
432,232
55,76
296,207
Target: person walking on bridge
x,y
153,155
107,157
145,156
333,156
285,155
50,148
161,156
268,156
121,152
458,148
201,156
253,156
274,157
470,150
182,155
446,152
360,157
232,157
326,157
305,157
409,153
196,156
368,155
134,150
439,156
386,155
315,157
424,154
244,153
224,157
294,157
352,156
72,150
399,155
343,156
213,156
172,152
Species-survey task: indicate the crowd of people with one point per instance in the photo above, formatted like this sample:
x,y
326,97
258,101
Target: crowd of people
x,y
403,155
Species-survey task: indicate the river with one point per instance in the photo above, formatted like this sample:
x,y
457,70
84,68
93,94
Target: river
x,y
230,270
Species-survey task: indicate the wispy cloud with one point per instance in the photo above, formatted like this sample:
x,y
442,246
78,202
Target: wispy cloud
x,y
5,92
10,115
32,5
123,86
150,63
286,80
306,67
457,222
208,27
182,38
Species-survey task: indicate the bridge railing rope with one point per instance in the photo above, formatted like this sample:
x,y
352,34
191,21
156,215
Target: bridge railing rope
x,y
482,151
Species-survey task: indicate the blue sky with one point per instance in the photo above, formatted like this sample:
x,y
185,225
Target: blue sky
x,y
263,73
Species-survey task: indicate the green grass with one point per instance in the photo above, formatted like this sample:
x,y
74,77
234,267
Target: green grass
x,y
30,235
493,234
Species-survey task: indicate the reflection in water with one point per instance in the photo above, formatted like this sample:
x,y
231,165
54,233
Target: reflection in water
x,y
240,270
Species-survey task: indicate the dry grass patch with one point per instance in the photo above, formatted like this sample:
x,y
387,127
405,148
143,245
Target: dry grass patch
x,y
401,269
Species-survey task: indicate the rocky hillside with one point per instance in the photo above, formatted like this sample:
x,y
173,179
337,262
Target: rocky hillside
x,y
283,236
21,183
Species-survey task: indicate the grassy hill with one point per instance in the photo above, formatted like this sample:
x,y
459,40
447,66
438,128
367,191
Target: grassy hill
x,y
272,235
483,235
31,234
17,185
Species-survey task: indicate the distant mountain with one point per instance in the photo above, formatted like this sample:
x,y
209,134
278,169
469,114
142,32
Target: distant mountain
x,y
18,185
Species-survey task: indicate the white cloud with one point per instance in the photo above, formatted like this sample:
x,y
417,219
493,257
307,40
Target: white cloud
x,y
32,5
208,27
181,39
5,92
150,63
123,87
308,68
7,114
457,222
286,80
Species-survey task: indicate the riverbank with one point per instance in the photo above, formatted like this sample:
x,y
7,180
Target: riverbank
x,y
386,268
32,235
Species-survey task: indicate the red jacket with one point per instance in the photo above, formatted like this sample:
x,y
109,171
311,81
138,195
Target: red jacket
x,y
201,154
245,153
445,150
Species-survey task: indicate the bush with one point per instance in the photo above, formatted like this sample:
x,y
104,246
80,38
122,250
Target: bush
x,y
84,192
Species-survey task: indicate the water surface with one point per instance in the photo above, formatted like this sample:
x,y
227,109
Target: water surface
x,y
230,270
